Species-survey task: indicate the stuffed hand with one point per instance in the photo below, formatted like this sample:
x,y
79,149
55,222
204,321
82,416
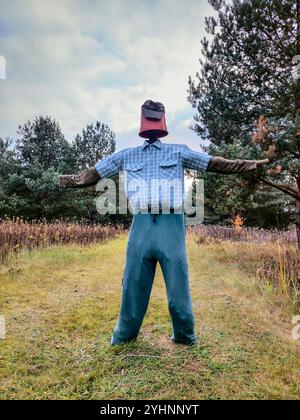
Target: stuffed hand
x,y
219,165
87,178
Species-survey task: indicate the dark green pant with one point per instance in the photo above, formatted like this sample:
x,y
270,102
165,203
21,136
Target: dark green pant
x,y
156,238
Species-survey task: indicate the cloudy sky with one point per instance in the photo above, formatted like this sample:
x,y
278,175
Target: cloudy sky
x,y
86,60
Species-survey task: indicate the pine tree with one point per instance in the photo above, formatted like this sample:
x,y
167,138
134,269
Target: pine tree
x,y
96,142
247,76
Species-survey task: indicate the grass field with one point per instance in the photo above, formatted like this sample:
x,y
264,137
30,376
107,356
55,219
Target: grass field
x,y
61,305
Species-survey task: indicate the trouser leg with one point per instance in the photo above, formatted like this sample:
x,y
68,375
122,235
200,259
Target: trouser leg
x,y
173,260
137,282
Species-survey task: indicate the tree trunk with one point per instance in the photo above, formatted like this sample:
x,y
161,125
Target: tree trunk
x,y
298,222
297,83
298,26
297,106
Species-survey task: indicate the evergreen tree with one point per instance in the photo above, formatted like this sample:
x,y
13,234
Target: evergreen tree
x,y
41,144
29,169
246,76
95,143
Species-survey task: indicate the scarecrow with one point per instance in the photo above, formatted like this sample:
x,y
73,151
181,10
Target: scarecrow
x,y
156,237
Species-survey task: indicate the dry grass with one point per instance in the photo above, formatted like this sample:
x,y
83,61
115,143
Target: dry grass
x,y
61,305
16,235
238,233
269,256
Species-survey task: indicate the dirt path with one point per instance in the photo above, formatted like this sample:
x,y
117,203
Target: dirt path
x,y
61,305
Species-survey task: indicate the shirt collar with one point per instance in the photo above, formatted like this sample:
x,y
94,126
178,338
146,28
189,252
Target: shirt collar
x,y
157,144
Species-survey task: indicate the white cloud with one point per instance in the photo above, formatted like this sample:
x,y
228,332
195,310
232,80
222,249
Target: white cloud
x,y
82,60
186,123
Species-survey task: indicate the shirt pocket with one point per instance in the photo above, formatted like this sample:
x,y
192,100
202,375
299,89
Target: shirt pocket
x,y
133,167
169,169
134,171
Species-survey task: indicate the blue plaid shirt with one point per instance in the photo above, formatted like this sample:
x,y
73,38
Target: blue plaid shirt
x,y
154,173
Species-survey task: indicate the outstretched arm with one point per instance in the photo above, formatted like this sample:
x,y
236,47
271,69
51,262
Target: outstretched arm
x,y
105,168
203,162
219,165
87,178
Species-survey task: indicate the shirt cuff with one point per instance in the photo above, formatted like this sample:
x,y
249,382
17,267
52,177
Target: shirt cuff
x,y
101,171
207,158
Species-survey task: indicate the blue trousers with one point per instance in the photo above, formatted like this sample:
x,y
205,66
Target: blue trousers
x,y
152,239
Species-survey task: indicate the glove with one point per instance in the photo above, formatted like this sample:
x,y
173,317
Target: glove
x,y
87,178
220,165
